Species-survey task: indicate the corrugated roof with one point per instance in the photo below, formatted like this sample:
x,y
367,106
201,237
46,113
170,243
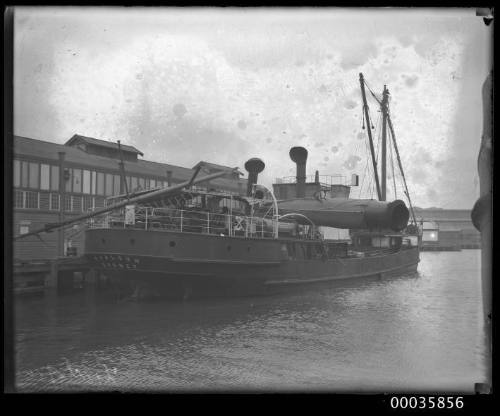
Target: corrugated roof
x,y
32,148
103,143
443,213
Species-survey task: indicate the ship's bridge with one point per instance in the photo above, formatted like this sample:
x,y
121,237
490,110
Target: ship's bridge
x,y
335,186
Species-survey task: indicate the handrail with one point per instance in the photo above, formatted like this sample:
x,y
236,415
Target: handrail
x,y
203,222
328,180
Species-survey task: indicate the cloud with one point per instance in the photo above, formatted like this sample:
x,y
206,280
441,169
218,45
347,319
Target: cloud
x,y
184,86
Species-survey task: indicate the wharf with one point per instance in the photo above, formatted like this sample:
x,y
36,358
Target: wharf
x,y
440,248
37,275
449,247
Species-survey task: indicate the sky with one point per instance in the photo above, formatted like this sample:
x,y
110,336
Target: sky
x,y
225,85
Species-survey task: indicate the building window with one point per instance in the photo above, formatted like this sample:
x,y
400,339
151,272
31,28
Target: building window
x,y
17,173
86,182
109,184
24,174
45,177
32,199
24,227
54,178
142,184
77,181
54,201
18,199
133,185
116,187
93,183
148,184
67,203
68,181
100,183
34,176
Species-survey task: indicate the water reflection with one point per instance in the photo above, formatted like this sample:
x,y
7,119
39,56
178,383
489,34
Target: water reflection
x,y
416,332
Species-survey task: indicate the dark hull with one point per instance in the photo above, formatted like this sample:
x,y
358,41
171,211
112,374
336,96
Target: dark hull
x,y
182,265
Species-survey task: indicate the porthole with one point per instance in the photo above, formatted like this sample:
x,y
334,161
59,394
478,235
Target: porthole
x,y
172,244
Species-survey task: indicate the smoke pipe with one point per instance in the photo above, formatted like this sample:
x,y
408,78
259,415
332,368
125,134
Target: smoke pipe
x,y
253,166
299,156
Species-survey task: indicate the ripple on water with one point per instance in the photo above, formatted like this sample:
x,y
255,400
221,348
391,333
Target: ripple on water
x,y
413,332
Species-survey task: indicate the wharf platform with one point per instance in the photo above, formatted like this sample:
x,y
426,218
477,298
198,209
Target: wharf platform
x,y
440,248
38,275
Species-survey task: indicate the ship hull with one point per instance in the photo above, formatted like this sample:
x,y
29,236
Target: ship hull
x,y
188,265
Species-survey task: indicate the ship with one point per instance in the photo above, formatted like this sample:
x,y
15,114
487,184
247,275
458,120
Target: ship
x,y
190,240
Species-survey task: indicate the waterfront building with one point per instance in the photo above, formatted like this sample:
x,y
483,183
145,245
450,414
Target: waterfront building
x,y
447,228
83,173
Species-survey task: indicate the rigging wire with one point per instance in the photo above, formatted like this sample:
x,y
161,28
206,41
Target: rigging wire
x,y
371,122
407,193
379,119
377,153
372,182
357,151
370,185
372,93
363,117
392,169
393,138
370,126
365,170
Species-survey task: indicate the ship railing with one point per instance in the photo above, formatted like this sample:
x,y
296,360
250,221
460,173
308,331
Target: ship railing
x,y
191,221
325,180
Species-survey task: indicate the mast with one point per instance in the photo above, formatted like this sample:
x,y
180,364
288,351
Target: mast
x,y
368,124
383,107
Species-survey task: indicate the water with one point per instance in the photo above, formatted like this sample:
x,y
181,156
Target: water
x,y
421,332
